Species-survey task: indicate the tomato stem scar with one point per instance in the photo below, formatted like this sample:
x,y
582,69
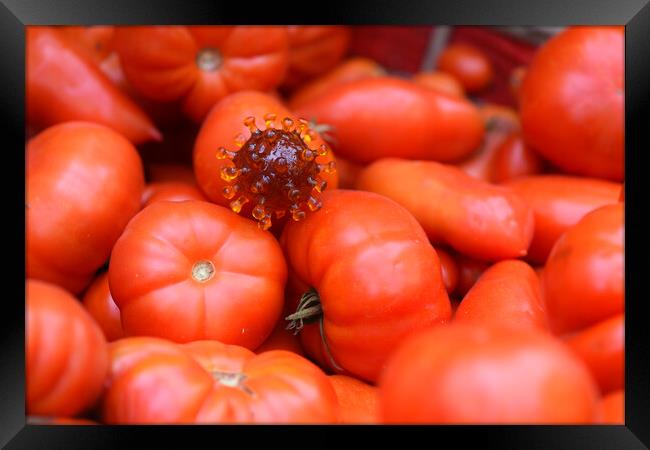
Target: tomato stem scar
x,y
202,271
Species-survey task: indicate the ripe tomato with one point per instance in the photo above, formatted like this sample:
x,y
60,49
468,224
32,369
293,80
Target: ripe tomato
x,y
348,173
513,158
468,65
558,203
356,68
342,251
281,339
66,354
199,65
602,348
155,381
178,272
469,271
380,117
507,294
469,374
441,82
101,306
449,269
499,117
358,401
571,101
314,50
476,218
84,183
173,191
612,408
63,85
583,278
95,42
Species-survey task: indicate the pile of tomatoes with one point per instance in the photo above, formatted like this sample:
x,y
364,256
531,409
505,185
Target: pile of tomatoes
x,y
334,244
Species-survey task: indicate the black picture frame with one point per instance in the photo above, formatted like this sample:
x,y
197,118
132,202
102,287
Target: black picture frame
x,y
634,14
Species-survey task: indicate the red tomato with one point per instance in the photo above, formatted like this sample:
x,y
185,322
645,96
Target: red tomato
x,y
612,408
314,50
63,85
476,218
66,354
173,191
467,64
199,65
358,401
155,381
602,348
95,42
342,251
513,158
469,374
558,203
348,173
441,82
84,183
506,294
178,272
583,278
449,270
571,101
516,79
170,172
101,306
380,117
281,339
469,271
356,68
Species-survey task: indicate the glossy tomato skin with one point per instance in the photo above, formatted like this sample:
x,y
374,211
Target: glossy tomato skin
x,y
199,65
440,82
314,50
571,101
481,220
583,279
84,183
155,381
559,202
96,42
65,85
343,251
513,159
358,401
100,304
507,294
66,354
382,117
170,191
612,408
449,269
178,272
469,374
467,64
602,348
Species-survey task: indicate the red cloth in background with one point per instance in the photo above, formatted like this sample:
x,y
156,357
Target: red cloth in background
x,y
401,49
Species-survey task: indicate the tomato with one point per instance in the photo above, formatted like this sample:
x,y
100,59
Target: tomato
x,y
170,172
96,42
355,68
155,381
499,117
507,294
101,306
281,338
83,183
469,271
223,125
558,203
66,353
449,269
612,408
513,158
441,82
178,272
602,348
476,218
358,401
516,79
572,101
467,64
346,252
380,117
199,65
174,191
63,85
583,278
314,50
471,374
348,173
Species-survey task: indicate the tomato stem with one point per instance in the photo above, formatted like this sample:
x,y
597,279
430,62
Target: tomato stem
x,y
309,310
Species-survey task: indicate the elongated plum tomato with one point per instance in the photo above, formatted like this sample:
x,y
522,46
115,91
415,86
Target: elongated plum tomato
x,y
383,117
358,401
99,302
476,218
156,381
84,183
583,279
571,101
270,173
472,374
351,320
191,270
199,65
66,355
